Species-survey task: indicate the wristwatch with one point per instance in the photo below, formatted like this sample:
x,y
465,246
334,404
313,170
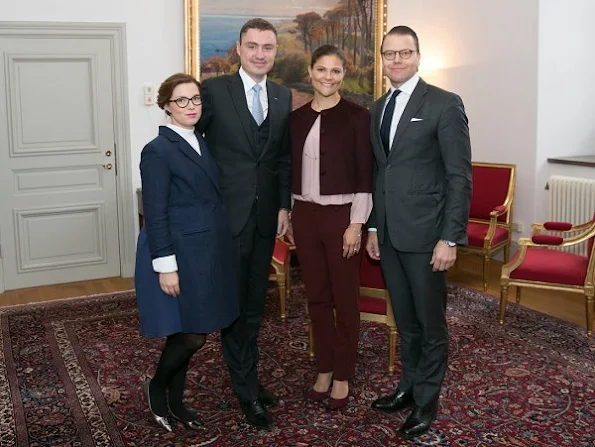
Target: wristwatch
x,y
449,243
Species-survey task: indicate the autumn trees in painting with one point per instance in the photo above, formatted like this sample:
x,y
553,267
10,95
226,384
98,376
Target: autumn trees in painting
x,y
349,24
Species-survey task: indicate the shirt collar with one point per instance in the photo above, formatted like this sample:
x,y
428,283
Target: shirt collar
x,y
184,133
408,86
249,82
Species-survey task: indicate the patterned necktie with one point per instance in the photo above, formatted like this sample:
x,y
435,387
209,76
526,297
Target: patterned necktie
x,y
387,120
257,111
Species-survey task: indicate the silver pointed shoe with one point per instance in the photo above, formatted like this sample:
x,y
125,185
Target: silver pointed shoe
x,y
161,420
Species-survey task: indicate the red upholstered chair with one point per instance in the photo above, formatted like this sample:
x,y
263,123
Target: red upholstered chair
x,y
374,305
490,217
537,265
279,272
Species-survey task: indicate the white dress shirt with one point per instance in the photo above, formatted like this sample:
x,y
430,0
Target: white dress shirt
x,y
401,102
249,83
168,264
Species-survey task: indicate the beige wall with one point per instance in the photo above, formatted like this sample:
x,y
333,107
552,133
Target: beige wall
x,y
566,91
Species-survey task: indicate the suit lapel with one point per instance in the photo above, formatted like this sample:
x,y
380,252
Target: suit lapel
x,y
273,114
238,96
377,143
201,161
413,105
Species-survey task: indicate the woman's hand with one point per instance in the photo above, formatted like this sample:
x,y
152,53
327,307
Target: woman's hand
x,y
352,239
170,283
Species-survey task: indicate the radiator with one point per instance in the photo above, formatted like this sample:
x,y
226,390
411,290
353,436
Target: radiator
x,y
572,199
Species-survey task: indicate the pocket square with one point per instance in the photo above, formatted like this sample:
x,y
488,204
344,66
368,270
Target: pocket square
x,y
416,119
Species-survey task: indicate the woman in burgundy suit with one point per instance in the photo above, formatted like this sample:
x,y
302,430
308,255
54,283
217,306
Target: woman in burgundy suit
x,y
332,184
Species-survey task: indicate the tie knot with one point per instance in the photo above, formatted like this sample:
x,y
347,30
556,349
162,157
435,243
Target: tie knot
x,y
396,93
257,88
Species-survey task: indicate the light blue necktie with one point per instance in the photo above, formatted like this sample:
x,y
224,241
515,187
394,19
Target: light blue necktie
x,y
257,111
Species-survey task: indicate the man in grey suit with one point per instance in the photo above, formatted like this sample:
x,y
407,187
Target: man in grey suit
x,y
422,194
245,119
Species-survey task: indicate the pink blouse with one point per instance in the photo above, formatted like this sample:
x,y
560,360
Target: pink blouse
x,y
361,202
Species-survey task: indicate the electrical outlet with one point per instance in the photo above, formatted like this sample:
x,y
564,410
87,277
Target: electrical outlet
x,y
149,100
149,94
517,227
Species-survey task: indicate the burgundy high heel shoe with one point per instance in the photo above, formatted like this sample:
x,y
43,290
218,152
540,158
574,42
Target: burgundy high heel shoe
x,y
335,404
316,396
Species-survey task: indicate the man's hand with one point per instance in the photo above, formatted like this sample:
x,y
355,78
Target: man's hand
x,y
443,257
170,283
372,245
352,239
282,222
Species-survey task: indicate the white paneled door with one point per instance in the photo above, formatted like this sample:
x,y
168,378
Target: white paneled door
x,y
58,206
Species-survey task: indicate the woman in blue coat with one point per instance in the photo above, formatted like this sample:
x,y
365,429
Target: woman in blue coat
x,y
185,282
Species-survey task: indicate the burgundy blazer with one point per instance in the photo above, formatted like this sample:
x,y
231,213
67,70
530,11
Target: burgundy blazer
x,y
346,155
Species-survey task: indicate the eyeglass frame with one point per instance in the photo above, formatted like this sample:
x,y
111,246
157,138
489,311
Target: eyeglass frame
x,y
399,52
188,101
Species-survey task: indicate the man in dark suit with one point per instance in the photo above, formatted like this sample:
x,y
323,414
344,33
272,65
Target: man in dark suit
x,y
422,194
245,122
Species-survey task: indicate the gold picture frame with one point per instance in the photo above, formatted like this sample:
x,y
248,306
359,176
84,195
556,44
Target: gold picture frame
x,y
192,41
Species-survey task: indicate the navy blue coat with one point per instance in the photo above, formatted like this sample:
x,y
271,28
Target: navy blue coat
x,y
184,215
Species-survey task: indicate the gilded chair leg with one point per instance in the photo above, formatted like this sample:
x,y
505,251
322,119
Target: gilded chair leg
x,y
282,292
503,301
288,278
486,272
507,253
392,347
590,304
518,294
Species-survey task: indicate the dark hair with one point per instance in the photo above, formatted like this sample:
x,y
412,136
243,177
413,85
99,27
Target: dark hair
x,y
259,24
402,30
327,50
166,89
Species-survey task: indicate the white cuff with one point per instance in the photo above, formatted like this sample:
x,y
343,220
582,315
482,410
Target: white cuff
x,y
165,264
372,230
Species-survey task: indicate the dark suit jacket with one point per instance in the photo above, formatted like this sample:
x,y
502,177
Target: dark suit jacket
x,y
423,189
245,175
345,151
184,215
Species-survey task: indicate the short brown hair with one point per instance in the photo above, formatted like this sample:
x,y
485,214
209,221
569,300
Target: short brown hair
x,y
402,30
259,24
166,89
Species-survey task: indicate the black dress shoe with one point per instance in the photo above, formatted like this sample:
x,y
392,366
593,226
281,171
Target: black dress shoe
x,y
419,421
267,398
397,401
256,414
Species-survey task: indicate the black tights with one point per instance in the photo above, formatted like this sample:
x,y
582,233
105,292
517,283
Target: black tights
x,y
170,375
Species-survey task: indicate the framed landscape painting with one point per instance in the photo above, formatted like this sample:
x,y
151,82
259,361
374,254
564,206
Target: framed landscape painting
x,y
355,26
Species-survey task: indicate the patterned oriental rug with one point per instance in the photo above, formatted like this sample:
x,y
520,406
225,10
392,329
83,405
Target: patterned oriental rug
x,y
71,375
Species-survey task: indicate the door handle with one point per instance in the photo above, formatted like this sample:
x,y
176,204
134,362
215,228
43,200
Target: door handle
x,y
107,166
108,153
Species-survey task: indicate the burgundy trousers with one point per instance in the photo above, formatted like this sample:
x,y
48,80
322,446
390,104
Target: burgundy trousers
x,y
332,284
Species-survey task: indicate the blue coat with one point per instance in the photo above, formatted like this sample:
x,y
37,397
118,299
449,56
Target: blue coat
x,y
184,215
